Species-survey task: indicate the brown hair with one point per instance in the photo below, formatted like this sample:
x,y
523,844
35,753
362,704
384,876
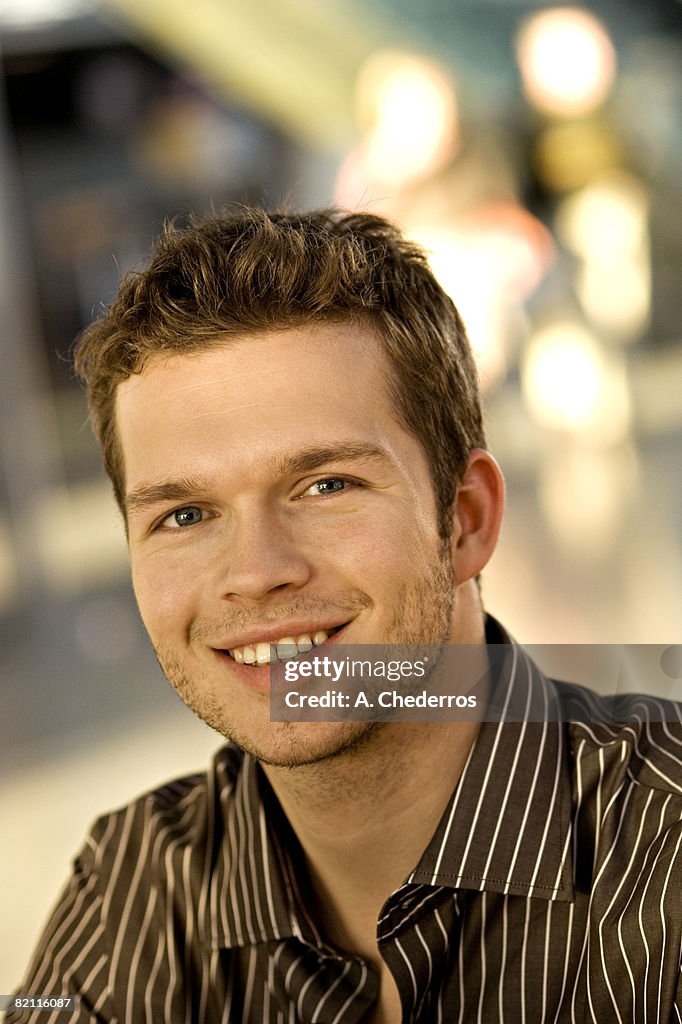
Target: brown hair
x,y
246,271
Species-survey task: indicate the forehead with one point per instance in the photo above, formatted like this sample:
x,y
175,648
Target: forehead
x,y
253,396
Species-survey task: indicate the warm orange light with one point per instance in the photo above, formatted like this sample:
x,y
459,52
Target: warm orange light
x,y
488,262
605,224
570,383
464,271
567,61
606,219
516,246
570,154
408,107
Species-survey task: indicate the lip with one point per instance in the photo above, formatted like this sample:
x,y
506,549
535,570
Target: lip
x,y
257,677
274,632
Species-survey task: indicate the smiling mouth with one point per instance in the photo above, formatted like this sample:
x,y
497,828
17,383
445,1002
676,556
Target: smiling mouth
x,y
266,652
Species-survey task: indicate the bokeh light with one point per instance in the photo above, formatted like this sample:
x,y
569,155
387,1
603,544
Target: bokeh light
x,y
571,384
616,297
605,219
567,61
584,496
408,109
570,154
488,262
606,225
460,272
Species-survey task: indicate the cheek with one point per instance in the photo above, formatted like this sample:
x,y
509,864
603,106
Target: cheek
x,y
358,546
380,554
166,596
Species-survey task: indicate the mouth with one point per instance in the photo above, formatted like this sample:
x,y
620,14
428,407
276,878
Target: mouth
x,y
267,652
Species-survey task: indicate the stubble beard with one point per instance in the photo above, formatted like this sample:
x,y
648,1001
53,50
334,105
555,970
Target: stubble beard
x,y
422,614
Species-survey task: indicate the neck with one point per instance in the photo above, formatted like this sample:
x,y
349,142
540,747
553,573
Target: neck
x,y
364,817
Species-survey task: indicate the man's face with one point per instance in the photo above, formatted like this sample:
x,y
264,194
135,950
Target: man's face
x,y
272,495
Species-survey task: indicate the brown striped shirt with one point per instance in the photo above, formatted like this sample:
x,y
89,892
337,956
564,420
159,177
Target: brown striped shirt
x,y
551,891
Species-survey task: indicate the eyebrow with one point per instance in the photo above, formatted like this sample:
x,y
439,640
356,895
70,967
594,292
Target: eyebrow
x,y
311,458
305,461
145,495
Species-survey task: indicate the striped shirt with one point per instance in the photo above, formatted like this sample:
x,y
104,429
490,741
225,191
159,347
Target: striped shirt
x,y
550,892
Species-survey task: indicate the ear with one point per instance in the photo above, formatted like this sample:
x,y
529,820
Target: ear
x,y
477,515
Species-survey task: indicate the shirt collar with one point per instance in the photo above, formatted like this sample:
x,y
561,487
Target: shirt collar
x,y
252,894
507,828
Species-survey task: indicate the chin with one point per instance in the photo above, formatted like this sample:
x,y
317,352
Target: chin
x,y
296,744
246,722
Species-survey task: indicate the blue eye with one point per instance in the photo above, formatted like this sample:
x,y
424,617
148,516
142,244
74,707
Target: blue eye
x,y
188,516
330,485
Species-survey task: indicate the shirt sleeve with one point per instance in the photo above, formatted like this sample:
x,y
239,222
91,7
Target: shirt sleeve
x,y
71,958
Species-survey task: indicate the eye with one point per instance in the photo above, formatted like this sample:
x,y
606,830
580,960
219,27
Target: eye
x,y
188,516
328,485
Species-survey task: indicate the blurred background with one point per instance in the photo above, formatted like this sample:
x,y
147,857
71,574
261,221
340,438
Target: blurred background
x,y
533,149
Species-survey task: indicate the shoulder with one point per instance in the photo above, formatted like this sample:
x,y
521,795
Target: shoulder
x,y
152,832
641,733
625,756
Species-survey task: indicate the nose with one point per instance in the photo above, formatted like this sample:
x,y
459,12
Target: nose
x,y
262,555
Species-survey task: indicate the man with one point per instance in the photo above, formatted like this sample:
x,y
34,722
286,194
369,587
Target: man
x,y
289,414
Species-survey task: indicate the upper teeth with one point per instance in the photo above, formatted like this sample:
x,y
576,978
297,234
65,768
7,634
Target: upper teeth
x,y
287,647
